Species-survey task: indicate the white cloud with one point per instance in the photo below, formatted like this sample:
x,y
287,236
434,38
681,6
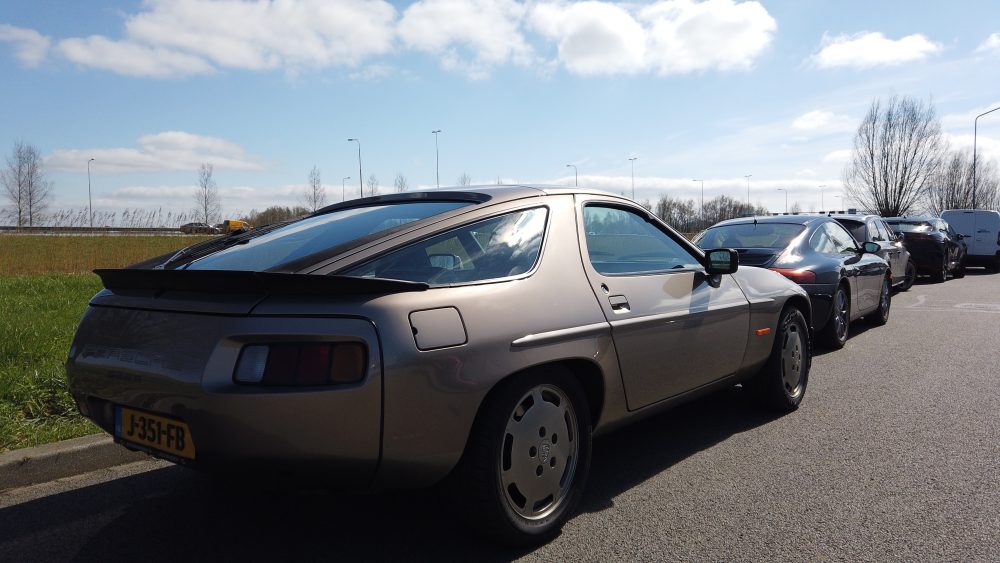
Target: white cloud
x,y
991,45
686,36
471,36
170,150
822,121
129,58
593,37
988,148
184,37
668,37
842,155
871,49
30,46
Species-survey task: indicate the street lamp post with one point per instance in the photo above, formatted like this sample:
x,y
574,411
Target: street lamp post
x,y
343,189
437,158
747,176
633,159
361,188
975,130
786,198
90,198
822,205
576,177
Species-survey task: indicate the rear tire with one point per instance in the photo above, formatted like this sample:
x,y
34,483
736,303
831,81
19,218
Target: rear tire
x,y
880,316
527,459
834,334
781,383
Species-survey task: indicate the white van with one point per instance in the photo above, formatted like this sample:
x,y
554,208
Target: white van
x,y
980,228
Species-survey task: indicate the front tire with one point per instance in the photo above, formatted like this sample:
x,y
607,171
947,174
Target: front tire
x,y
959,271
838,326
527,460
781,383
909,277
942,275
880,316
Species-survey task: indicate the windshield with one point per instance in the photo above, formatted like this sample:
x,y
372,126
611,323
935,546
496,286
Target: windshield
x,y
750,235
911,226
316,234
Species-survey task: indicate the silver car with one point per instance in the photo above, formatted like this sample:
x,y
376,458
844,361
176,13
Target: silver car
x,y
481,335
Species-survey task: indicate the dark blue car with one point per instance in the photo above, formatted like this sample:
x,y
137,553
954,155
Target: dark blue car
x,y
844,279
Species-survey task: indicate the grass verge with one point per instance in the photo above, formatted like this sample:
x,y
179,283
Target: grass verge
x,y
38,316
45,254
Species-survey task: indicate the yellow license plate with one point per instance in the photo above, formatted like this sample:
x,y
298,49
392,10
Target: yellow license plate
x,y
157,432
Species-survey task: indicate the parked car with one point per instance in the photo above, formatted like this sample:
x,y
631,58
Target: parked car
x,y
844,280
233,226
871,228
936,249
980,229
198,229
392,341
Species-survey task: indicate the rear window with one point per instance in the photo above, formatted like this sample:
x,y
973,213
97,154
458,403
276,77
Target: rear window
x,y
911,226
750,235
316,234
858,229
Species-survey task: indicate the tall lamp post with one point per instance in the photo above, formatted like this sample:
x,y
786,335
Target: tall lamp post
x,y
437,158
576,177
786,198
975,130
702,197
632,160
90,198
361,188
343,189
747,176
822,205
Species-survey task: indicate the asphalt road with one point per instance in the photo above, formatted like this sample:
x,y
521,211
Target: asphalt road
x,y
894,455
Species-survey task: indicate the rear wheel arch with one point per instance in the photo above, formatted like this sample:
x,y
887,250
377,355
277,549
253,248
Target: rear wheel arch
x,y
803,305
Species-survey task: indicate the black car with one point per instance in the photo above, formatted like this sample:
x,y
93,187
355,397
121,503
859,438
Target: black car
x,y
871,228
934,246
845,281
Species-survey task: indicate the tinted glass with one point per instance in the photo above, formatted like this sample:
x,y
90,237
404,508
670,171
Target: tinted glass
x,y
751,235
315,234
622,242
495,248
873,233
857,228
884,231
911,226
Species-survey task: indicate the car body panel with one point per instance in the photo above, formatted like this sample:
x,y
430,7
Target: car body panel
x,y
981,231
871,228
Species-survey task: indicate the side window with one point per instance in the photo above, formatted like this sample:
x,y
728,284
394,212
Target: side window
x,y
884,230
843,242
495,248
821,242
620,241
873,232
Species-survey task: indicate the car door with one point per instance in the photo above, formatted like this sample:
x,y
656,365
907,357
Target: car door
x,y
891,252
674,327
864,271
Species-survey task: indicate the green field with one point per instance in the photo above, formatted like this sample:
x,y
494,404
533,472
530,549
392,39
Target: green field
x,y
45,285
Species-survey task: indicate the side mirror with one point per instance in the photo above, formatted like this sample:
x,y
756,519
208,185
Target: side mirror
x,y
871,247
721,261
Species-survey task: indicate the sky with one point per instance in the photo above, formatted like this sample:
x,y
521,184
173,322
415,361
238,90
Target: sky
x,y
266,90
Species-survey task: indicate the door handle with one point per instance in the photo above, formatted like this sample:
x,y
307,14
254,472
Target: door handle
x,y
618,303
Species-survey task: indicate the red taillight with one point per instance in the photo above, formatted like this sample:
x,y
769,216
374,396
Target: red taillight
x,y
800,275
301,363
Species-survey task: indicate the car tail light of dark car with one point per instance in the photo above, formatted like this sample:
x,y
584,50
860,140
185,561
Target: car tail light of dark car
x,y
797,275
301,364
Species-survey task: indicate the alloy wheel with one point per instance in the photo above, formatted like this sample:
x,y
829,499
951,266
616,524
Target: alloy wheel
x,y
792,364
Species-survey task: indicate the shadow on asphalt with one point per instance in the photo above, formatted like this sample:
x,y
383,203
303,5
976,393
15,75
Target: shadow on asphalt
x,y
174,514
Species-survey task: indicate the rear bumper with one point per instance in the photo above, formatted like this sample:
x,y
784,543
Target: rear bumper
x,y
928,259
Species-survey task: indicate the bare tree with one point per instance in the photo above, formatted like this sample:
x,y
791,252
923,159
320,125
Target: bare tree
x,y
372,185
24,184
464,179
315,196
400,182
208,207
952,187
898,149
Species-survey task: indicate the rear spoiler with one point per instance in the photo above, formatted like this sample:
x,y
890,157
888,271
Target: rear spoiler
x,y
234,281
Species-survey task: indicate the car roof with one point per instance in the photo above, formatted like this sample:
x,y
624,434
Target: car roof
x,y
926,219
771,219
855,216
